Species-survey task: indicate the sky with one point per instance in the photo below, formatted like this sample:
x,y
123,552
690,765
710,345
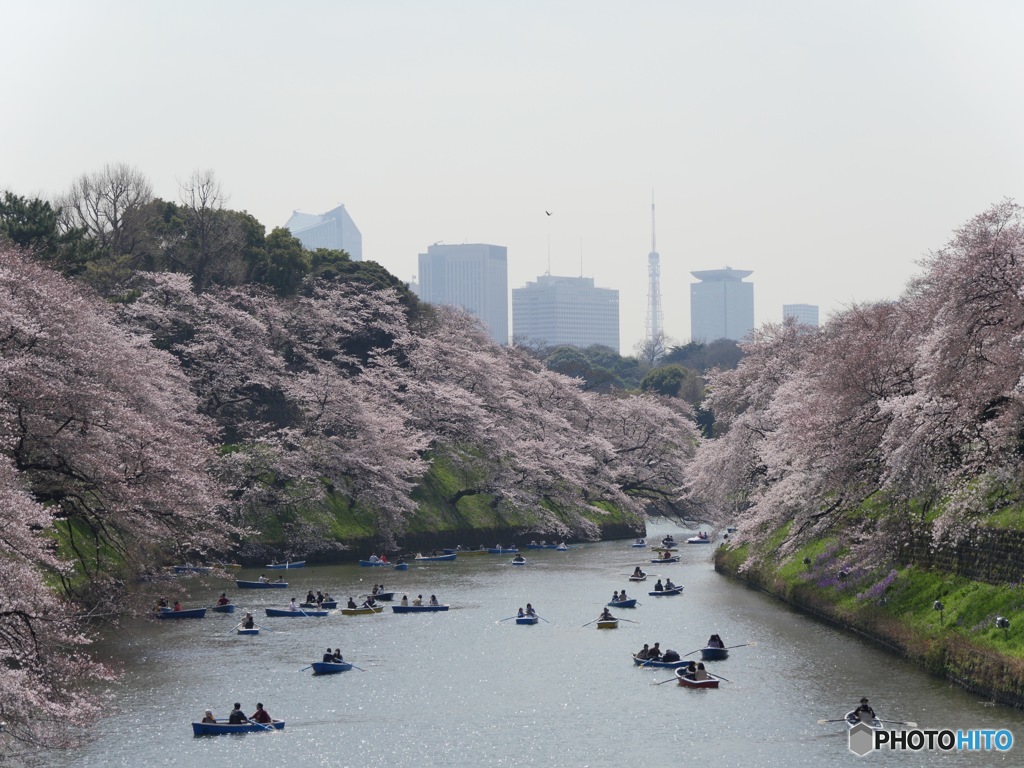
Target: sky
x,y
826,146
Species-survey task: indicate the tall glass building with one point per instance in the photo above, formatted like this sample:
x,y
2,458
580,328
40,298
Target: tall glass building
x,y
804,314
721,305
334,230
566,310
472,276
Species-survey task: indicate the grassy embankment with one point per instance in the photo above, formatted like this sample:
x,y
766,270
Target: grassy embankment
x,y
895,605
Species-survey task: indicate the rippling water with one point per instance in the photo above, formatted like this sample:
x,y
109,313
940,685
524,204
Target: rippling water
x,y
462,688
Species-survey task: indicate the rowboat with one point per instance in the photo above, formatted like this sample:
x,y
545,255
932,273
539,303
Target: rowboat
x,y
326,605
288,613
362,611
852,720
386,597
561,548
527,619
668,592
221,727
673,559
280,566
373,564
261,584
714,654
638,578
699,540
330,667
639,543
518,561
225,608
664,549
501,550
460,551
402,567
657,663
418,608
189,568
608,624
190,613
687,681
435,558
251,631
627,603
229,566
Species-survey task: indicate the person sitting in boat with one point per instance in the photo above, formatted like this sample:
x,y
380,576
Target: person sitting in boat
x,y
637,573
433,600
701,673
328,656
658,587
319,597
248,622
375,590
669,585
369,602
310,597
280,580
262,579
715,642
208,717
518,559
606,615
293,606
223,599
644,653
383,558
351,603
325,598
521,614
237,716
615,596
691,669
162,603
401,560
654,654
533,543
373,558
336,658
666,555
864,713
623,596
418,600
530,611
405,599
261,715
177,606
670,655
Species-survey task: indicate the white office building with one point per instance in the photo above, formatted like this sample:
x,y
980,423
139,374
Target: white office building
x,y
334,230
804,314
721,305
472,276
566,310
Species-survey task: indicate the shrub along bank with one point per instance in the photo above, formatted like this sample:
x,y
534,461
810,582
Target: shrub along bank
x,y
947,623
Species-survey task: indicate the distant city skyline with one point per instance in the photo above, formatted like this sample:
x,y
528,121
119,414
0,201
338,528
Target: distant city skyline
x,y
828,147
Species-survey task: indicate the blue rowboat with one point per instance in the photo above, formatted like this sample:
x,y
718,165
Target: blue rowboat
x,y
222,727
330,668
373,564
244,631
261,584
325,605
501,550
190,613
627,603
652,663
287,612
280,566
435,558
402,567
668,592
226,608
460,551
561,548
527,619
192,569
640,543
673,559
386,597
714,654
418,608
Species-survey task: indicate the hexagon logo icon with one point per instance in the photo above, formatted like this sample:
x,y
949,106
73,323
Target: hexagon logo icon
x,y
862,739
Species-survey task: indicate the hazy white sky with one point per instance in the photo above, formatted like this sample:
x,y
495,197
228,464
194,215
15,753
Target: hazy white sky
x,y
824,145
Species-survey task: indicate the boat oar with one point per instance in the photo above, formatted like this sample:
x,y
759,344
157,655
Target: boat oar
x,y
261,725
542,618
723,679
590,622
510,617
359,668
833,720
692,652
907,723
741,645
305,668
664,681
630,621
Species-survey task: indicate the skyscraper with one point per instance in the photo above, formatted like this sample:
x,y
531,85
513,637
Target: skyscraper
x,y
471,276
804,314
566,310
333,229
721,305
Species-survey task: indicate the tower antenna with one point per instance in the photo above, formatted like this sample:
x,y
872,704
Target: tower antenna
x,y
655,319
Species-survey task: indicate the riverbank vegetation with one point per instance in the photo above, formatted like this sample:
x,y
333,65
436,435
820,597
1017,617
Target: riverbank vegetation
x,y
868,463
